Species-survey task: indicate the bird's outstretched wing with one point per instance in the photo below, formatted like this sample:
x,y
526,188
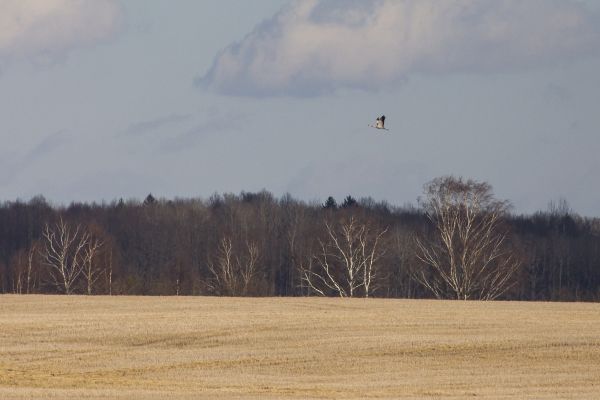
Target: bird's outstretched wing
x,y
379,123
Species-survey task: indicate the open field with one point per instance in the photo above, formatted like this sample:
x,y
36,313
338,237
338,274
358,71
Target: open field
x,y
198,347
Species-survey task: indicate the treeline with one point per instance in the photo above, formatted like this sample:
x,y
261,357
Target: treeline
x,y
254,244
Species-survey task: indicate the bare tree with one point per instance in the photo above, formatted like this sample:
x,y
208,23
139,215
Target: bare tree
x,y
23,265
468,255
108,271
30,258
64,253
347,260
232,274
91,271
18,271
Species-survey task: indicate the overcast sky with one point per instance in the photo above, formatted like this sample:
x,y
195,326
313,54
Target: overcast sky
x,y
104,99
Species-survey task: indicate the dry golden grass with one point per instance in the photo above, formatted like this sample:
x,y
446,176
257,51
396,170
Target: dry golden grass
x,y
198,347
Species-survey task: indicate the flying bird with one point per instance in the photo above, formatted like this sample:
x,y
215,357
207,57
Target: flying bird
x,y
380,123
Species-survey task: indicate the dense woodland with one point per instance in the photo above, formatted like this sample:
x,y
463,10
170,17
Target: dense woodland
x,y
182,246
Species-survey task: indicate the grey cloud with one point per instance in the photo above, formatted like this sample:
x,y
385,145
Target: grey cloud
x,y
218,122
149,126
48,145
313,47
354,13
45,31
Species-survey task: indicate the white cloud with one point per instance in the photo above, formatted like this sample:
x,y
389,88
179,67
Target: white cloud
x,y
38,29
318,46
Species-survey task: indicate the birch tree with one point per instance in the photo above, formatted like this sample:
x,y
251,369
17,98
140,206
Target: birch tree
x,y
90,270
64,253
468,255
23,266
30,258
231,273
347,262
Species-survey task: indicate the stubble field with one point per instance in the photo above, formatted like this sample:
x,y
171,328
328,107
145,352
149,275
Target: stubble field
x,y
231,348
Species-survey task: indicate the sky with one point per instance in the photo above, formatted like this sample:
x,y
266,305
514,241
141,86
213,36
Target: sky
x,y
108,99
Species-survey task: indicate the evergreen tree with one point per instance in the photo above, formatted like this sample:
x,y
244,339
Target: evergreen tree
x,y
349,201
330,203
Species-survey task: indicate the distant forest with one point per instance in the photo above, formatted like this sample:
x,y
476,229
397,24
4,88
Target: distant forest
x,y
254,244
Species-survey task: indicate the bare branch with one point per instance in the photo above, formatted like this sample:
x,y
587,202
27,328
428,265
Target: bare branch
x,y
347,261
63,253
468,256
